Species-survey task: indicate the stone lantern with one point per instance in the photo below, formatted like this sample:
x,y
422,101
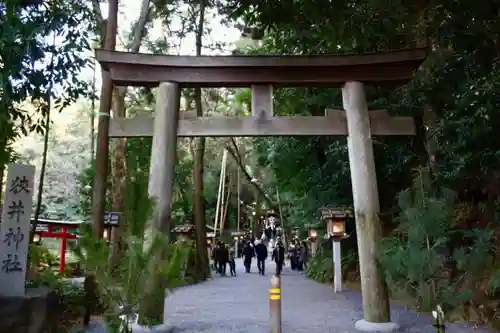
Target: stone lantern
x,y
313,240
335,219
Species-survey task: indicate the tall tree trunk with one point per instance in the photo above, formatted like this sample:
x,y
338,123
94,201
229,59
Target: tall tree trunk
x,y
2,173
202,264
92,116
118,180
38,207
102,149
47,106
119,161
428,120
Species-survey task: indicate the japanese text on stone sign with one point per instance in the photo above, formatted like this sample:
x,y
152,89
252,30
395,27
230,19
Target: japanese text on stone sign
x,y
14,229
19,184
13,236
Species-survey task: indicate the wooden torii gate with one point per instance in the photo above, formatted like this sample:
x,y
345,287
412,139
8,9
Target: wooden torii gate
x,y
262,73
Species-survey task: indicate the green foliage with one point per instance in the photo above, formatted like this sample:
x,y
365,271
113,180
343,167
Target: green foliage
x,y
457,81
320,267
138,157
458,84
85,180
123,288
138,154
419,259
30,35
71,295
39,255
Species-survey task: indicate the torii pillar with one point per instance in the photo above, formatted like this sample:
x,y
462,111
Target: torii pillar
x,y
161,188
366,209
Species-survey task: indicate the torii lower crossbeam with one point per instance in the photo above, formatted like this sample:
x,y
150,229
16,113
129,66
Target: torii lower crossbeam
x,y
334,123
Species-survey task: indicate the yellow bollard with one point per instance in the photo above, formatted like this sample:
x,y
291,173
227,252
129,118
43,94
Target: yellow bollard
x,y
275,305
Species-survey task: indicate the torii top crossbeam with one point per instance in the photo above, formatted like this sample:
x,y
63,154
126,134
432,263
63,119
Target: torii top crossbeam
x,y
137,69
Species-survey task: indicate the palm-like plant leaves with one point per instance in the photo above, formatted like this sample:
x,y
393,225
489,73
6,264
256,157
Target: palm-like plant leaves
x,y
123,289
416,258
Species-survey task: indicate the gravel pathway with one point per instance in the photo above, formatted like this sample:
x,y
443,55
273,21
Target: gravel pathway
x,y
240,305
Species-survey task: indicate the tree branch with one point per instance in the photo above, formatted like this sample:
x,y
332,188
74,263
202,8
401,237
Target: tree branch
x,y
97,11
233,150
145,17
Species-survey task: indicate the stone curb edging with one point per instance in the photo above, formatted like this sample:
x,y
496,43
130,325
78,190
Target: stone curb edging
x,y
366,326
99,327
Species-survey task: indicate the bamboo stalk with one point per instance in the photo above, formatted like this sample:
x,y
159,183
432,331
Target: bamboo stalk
x,y
223,195
221,179
239,202
281,217
224,215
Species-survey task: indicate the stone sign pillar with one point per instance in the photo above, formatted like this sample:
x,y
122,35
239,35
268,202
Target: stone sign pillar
x,y
32,310
15,229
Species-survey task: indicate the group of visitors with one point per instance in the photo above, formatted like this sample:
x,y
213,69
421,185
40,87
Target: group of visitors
x,y
298,254
223,255
259,250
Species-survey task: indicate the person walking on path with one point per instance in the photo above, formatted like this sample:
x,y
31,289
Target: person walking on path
x,y
215,249
232,262
279,257
307,253
261,252
222,256
292,255
303,254
248,254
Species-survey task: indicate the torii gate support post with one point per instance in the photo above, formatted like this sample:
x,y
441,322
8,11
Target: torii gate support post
x,y
161,182
366,207
62,254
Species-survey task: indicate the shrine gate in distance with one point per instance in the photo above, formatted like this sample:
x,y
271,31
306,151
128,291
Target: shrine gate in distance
x,y
348,72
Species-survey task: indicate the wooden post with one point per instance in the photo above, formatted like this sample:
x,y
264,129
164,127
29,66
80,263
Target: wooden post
x,y
161,182
275,305
337,264
239,212
262,102
366,204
